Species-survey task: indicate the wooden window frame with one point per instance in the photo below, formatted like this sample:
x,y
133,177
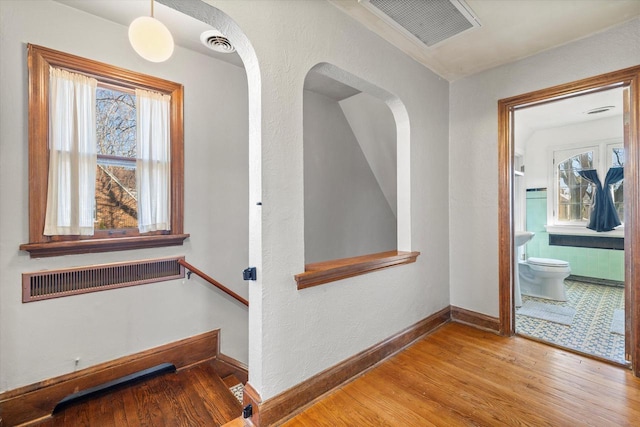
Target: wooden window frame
x,y
40,59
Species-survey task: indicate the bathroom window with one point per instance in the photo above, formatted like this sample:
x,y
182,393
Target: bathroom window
x,y
616,160
573,194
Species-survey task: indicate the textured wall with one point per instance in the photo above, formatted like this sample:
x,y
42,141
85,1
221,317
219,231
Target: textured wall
x,y
473,149
296,334
42,339
292,334
345,211
375,128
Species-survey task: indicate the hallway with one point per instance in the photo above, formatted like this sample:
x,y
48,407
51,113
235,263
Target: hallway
x,y
458,375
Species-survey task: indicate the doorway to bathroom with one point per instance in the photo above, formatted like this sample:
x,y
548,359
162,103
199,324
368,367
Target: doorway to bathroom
x,y
561,282
571,278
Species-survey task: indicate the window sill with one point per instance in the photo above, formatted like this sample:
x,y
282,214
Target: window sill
x,y
49,249
330,271
572,230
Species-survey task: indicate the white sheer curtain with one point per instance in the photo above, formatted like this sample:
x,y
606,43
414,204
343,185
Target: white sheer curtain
x,y
153,164
72,154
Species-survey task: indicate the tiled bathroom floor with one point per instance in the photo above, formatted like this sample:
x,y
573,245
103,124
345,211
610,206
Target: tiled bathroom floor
x,y
590,331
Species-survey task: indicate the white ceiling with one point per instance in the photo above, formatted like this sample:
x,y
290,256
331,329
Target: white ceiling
x,y
568,111
572,110
185,29
510,30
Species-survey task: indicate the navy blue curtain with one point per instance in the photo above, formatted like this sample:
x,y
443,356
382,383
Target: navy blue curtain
x,y
603,212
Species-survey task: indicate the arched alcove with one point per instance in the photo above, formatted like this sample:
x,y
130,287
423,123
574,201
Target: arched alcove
x,y
356,167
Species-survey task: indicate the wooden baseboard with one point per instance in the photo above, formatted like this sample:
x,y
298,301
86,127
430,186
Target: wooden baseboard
x,y
291,401
475,319
38,400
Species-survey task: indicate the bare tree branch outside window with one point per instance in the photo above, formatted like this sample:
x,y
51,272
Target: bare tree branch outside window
x,y
116,199
575,194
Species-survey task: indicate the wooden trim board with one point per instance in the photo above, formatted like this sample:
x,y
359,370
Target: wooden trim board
x,y
472,318
319,273
290,401
37,400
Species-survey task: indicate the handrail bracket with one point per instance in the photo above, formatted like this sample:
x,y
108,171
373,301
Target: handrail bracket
x,y
191,269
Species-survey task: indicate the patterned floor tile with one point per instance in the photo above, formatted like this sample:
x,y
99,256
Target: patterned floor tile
x,y
590,331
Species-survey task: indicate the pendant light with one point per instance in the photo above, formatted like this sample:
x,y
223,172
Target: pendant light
x,y
150,38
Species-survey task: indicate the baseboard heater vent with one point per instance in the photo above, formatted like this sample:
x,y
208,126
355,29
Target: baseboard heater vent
x,y
102,389
72,281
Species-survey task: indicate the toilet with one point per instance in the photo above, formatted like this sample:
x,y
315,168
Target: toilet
x,y
543,278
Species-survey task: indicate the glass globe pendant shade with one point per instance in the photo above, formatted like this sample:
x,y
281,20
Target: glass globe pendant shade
x,y
151,39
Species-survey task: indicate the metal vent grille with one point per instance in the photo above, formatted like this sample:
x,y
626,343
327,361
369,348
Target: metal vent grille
x,y
220,44
430,21
61,283
214,40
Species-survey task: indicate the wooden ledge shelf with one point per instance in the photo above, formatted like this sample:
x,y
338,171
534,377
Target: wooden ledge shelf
x,y
329,271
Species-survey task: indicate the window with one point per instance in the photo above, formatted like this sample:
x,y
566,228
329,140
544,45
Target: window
x,y
573,193
116,203
616,156
114,211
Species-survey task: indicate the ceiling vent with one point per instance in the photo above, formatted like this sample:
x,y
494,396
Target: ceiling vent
x,y
214,40
427,22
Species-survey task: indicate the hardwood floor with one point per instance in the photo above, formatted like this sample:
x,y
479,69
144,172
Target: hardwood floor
x,y
464,376
456,376
192,397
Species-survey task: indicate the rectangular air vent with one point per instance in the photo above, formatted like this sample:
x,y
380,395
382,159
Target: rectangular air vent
x,y
72,281
427,22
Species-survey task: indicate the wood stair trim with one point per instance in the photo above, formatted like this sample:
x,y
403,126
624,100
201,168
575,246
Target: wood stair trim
x,y
231,404
225,366
231,381
330,271
194,396
37,400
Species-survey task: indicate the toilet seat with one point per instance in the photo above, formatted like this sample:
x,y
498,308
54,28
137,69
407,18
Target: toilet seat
x,y
547,262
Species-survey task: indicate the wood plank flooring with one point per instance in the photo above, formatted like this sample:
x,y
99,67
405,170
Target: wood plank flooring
x,y
195,396
461,376
457,376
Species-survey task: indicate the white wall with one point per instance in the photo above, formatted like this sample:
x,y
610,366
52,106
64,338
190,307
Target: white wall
x,y
473,150
375,129
345,211
296,334
541,144
40,340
